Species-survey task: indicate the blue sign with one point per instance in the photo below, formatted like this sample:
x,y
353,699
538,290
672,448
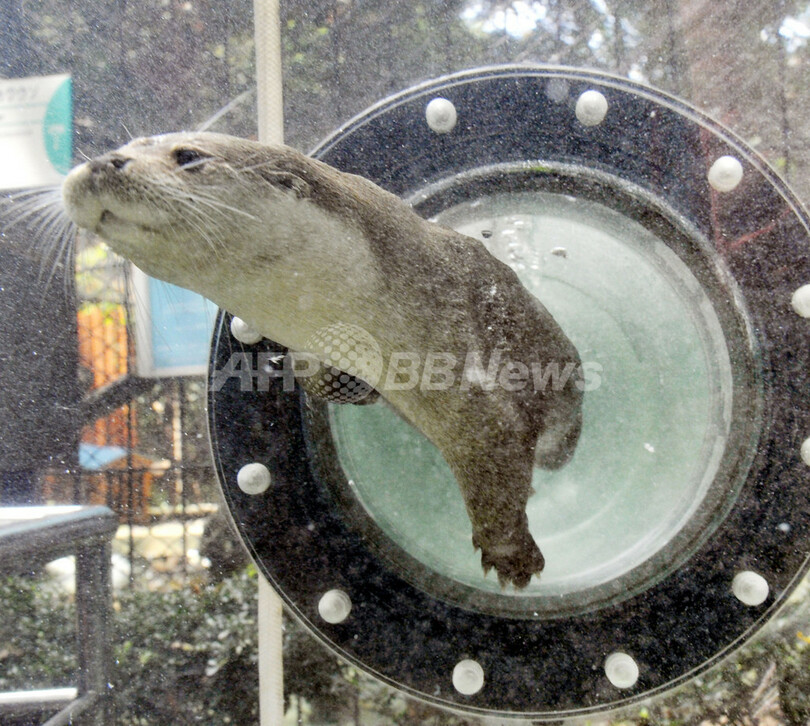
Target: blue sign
x,y
173,328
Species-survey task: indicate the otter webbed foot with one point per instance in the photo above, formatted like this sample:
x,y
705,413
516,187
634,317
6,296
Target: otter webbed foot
x,y
515,560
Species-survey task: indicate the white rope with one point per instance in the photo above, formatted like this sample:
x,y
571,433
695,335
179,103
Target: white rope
x,y
267,33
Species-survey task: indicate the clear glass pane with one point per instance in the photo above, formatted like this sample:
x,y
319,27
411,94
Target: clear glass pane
x,y
81,425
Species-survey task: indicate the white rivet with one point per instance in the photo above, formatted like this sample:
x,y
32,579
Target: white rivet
x,y
726,173
441,116
591,108
805,452
750,588
334,606
244,332
800,301
253,478
468,677
621,670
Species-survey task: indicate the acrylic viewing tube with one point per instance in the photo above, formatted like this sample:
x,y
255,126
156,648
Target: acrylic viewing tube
x,y
658,409
677,263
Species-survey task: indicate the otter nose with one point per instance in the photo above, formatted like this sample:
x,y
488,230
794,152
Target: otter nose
x,y
103,163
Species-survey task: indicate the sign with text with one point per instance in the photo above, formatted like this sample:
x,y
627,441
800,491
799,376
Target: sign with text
x,y
36,126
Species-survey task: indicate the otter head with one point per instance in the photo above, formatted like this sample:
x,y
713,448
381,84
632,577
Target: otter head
x,y
179,204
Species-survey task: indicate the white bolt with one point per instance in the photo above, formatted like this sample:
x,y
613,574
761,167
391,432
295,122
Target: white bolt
x,y
805,451
591,108
750,588
800,301
468,677
441,115
253,478
334,606
621,670
244,332
726,173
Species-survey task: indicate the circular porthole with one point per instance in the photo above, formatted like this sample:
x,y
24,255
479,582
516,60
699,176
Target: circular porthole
x,y
672,257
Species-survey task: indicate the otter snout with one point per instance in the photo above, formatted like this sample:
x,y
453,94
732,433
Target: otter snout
x,y
101,191
105,163
81,205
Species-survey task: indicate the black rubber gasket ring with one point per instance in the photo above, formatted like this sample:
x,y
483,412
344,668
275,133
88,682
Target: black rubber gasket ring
x,y
544,668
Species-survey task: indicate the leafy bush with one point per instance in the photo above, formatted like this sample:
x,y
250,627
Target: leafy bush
x,y
182,657
187,656
37,635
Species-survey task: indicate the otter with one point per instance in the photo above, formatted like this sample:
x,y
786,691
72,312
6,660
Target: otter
x,y
293,246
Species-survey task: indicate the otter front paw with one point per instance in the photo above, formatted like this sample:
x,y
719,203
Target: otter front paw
x,y
514,560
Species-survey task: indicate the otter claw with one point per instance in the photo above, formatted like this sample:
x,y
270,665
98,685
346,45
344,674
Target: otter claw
x,y
514,564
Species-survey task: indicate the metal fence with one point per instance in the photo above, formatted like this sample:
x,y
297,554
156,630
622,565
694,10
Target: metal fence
x,y
142,442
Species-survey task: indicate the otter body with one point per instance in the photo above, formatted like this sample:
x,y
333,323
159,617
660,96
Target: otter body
x,y
293,246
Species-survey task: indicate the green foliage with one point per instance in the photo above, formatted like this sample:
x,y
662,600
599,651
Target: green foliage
x,y
37,635
340,57
794,688
186,656
145,68
181,657
189,656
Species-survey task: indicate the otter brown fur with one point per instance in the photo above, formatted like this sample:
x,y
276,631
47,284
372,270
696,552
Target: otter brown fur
x,y
292,246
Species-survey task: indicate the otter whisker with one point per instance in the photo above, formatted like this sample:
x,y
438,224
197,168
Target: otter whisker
x,y
257,165
62,253
21,205
211,203
216,246
54,235
190,216
40,213
205,125
191,165
32,207
208,213
222,208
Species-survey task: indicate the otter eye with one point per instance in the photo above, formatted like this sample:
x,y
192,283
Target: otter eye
x,y
185,157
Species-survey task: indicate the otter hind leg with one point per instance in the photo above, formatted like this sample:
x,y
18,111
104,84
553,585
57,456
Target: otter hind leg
x,y
496,484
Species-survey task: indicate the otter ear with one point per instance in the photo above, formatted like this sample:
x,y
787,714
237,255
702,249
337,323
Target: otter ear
x,y
287,181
